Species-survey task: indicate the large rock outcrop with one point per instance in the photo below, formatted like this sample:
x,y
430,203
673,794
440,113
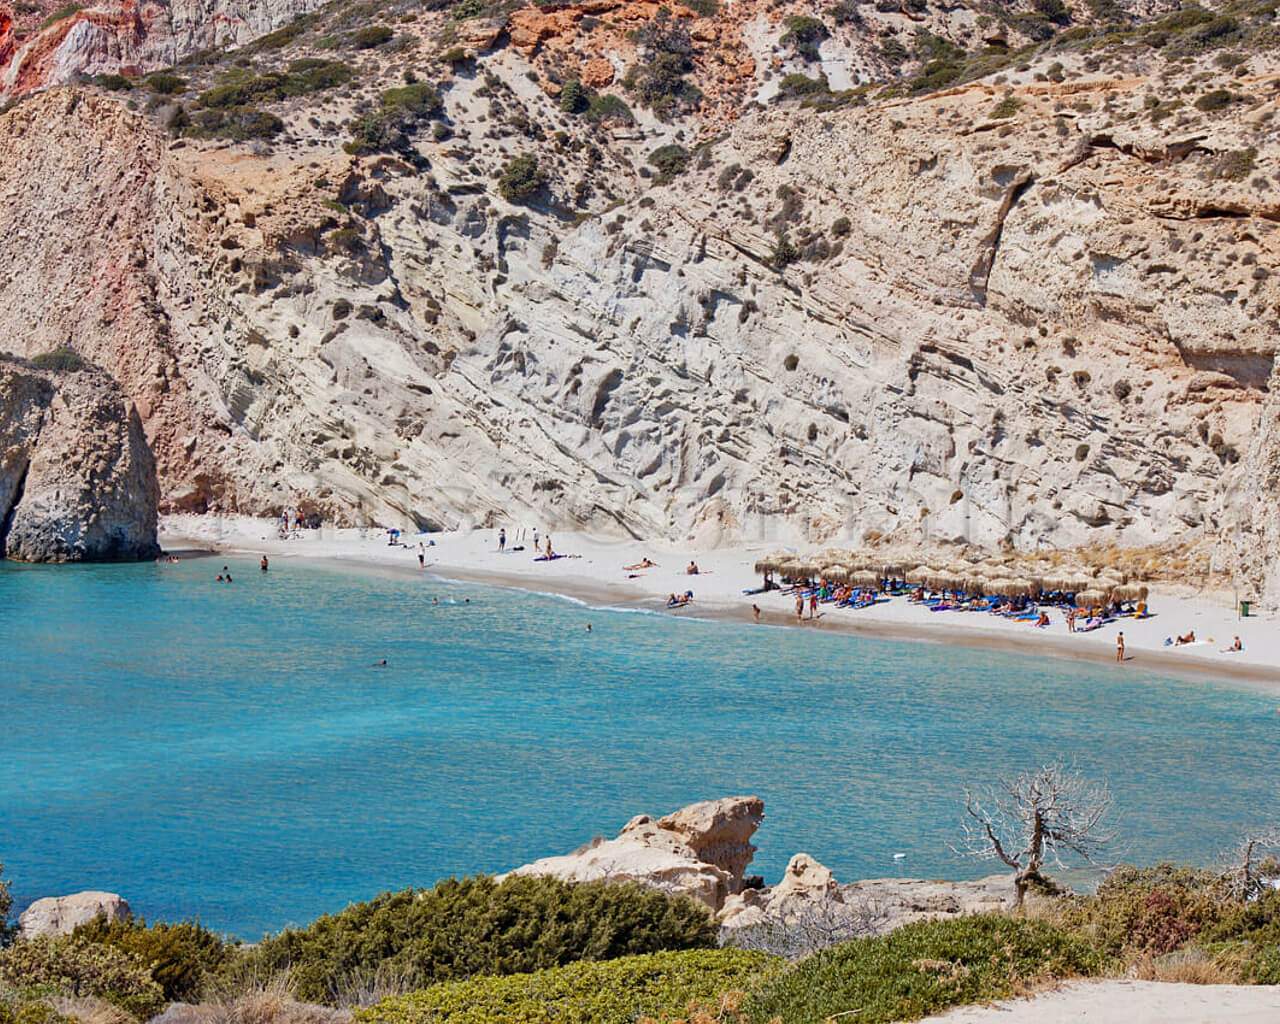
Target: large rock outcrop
x,y
702,851
699,851
77,480
61,915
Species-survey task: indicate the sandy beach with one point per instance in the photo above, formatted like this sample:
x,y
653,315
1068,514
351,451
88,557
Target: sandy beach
x,y
593,571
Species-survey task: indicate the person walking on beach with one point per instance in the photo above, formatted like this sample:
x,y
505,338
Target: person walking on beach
x,y
535,540
799,607
1071,620
813,604
422,555
502,541
755,611
1120,646
549,554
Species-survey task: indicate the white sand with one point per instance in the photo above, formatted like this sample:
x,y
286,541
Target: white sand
x,y
595,574
1131,1002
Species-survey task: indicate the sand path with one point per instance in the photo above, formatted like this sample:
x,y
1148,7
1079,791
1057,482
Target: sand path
x,y
1131,1002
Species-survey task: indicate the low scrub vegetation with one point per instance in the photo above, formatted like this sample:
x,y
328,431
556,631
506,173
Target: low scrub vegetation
x,y
61,360
243,88
521,179
923,968
390,126
656,985
182,958
476,926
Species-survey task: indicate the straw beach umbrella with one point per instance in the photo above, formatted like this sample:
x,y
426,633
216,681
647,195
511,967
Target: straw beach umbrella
x,y
770,563
1130,592
1088,598
865,579
836,573
919,576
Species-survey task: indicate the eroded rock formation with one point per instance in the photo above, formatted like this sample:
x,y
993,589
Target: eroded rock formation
x,y
703,850
699,851
77,480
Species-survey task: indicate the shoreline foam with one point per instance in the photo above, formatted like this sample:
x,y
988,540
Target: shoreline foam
x,y
592,574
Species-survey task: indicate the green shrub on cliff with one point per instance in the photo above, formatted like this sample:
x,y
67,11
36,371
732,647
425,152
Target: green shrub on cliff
x,y
180,957
399,111
659,985
68,966
521,179
922,968
474,926
62,359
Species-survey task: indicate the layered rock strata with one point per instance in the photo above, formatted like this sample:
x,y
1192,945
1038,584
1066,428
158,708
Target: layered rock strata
x,y
77,480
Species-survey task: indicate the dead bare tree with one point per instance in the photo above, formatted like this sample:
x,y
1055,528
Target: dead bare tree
x,y
810,926
1036,818
1253,865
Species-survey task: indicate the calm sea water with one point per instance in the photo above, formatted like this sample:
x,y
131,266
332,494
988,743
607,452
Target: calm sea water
x,y
227,752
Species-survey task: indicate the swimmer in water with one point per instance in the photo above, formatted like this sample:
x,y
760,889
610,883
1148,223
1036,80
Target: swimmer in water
x,y
379,664
263,563
435,600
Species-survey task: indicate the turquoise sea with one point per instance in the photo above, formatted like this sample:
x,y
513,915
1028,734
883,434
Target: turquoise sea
x,y
228,752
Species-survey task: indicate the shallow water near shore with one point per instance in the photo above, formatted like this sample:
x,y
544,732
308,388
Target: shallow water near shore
x,y
229,752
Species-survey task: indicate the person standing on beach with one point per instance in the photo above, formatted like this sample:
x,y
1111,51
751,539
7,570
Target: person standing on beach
x,y
535,540
755,611
1071,620
1120,646
549,554
813,604
502,541
422,556
799,607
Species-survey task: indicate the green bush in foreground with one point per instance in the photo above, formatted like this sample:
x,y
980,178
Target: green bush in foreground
x,y
618,992
180,957
66,966
920,969
474,926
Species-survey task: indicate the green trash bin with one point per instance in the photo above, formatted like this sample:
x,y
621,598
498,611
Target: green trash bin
x,y
1244,609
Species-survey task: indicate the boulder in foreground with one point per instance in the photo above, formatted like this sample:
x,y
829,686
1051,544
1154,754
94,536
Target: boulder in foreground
x,y
699,851
61,915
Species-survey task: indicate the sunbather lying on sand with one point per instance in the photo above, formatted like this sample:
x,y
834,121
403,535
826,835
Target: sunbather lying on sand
x,y
644,563
1190,638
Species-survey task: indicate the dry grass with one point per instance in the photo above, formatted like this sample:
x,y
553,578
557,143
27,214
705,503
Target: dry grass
x,y
267,1003
90,1010
1188,967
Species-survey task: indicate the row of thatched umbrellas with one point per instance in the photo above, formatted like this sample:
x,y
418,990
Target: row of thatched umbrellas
x,y
991,580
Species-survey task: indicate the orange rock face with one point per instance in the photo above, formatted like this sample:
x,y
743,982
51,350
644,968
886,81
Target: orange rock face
x,y
596,73
6,38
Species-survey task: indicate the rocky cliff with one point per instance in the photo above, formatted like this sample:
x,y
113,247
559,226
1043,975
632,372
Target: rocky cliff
x,y
1032,309
77,481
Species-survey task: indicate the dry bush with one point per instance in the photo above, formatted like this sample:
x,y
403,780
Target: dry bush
x,y
270,1003
1189,967
90,1010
